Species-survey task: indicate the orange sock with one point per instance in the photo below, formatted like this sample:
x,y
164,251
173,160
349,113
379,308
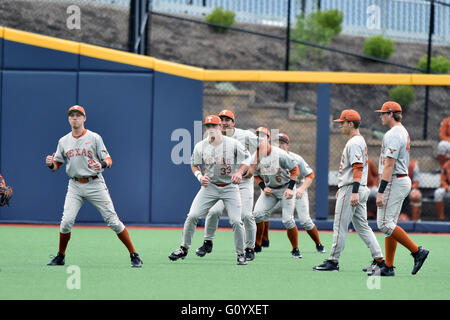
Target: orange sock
x,y
314,234
124,236
293,236
390,246
265,235
63,241
400,235
259,232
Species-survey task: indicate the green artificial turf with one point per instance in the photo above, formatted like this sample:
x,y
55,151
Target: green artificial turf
x,y
105,273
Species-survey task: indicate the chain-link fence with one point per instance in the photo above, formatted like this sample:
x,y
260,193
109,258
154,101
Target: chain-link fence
x,y
262,104
100,22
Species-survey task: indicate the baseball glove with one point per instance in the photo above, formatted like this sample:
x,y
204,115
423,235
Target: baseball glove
x,y
5,195
5,192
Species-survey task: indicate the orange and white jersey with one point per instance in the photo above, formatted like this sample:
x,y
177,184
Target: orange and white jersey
x,y
220,162
303,167
80,152
275,168
355,151
396,144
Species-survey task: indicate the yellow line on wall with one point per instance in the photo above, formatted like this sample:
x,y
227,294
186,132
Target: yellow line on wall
x,y
221,75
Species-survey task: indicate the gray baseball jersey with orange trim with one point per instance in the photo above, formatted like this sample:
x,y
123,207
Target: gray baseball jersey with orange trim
x,y
250,141
221,162
396,144
79,153
355,151
303,167
274,168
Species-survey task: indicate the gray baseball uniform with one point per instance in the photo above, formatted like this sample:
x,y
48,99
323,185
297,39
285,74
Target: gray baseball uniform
x,y
274,170
79,154
219,163
249,140
355,151
302,204
396,144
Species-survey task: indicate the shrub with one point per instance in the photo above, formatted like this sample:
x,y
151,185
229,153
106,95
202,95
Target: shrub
x,y
310,30
437,65
378,47
219,16
404,95
331,19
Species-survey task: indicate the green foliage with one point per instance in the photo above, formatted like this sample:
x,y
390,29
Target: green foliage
x,y
331,19
319,28
219,16
437,65
379,47
403,95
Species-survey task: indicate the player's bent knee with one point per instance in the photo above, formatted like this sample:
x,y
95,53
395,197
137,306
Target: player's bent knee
x,y
385,227
288,224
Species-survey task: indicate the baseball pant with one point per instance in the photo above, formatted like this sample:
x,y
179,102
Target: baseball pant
x,y
346,213
443,148
302,209
212,219
265,203
96,192
440,194
205,199
395,193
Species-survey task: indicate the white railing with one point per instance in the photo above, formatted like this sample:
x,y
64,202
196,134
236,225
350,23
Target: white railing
x,y
406,20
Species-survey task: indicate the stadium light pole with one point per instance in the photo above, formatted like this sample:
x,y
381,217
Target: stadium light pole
x,y
288,45
427,88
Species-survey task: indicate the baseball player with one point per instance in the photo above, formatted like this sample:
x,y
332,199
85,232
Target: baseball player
x,y
352,195
85,156
414,199
276,175
249,140
223,160
305,178
443,191
395,185
443,147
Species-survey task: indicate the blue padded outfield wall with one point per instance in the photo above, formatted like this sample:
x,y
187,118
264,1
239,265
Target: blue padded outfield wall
x,y
134,109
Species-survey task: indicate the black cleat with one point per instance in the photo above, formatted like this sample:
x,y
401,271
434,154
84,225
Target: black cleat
x,y
296,254
59,260
320,248
419,258
136,261
205,248
258,248
370,268
381,269
265,243
241,260
249,254
177,254
327,265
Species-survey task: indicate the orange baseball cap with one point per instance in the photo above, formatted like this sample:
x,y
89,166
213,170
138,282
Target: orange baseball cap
x,y
263,130
348,115
283,137
77,108
390,106
227,113
212,119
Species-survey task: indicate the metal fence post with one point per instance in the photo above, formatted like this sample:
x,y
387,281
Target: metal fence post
x,y
288,45
427,88
322,149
